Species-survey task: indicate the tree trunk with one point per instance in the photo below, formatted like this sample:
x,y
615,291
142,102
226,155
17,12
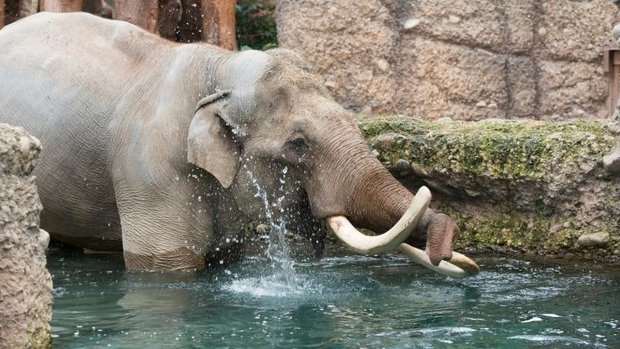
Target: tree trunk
x,y
218,25
168,18
60,5
98,7
141,13
28,7
1,13
190,25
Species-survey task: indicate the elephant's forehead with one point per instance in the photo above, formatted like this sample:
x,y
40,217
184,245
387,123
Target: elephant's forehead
x,y
246,68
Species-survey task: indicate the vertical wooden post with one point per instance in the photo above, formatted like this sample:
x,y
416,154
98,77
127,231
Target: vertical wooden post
x,y
28,7
1,14
142,13
611,67
218,23
614,81
60,5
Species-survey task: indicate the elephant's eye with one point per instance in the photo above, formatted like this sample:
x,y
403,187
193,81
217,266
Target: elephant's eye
x,y
298,142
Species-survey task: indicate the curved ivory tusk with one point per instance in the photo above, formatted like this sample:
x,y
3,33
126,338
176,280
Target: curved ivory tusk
x,y
459,265
389,240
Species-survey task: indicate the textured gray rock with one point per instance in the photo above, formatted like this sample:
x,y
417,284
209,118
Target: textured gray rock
x,y
593,240
612,161
369,46
25,283
465,59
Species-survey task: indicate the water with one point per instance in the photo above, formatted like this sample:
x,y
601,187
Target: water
x,y
282,265
339,302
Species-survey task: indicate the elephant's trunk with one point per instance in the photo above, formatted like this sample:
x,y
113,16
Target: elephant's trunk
x,y
389,240
348,180
355,186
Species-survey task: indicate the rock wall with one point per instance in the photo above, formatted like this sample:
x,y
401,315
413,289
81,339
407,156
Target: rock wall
x,y
25,283
465,59
530,186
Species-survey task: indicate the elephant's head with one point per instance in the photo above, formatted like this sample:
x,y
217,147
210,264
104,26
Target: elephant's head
x,y
271,123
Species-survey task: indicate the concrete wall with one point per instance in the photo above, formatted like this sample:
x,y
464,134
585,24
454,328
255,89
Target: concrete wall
x,y
465,59
25,283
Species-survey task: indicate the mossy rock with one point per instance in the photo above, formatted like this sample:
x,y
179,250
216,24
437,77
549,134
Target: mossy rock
x,y
530,186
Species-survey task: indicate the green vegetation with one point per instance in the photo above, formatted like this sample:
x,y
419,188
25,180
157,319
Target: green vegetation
x,y
500,149
256,24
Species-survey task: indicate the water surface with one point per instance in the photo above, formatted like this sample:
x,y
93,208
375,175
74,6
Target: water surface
x,y
337,302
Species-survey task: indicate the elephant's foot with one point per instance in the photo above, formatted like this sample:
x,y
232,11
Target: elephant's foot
x,y
182,258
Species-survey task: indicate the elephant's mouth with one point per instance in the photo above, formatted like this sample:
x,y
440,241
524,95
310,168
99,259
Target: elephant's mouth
x,y
458,266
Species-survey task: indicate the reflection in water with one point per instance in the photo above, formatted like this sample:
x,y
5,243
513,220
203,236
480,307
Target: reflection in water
x,y
352,301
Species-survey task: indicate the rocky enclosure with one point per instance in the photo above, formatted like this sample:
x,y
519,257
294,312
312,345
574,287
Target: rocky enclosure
x,y
25,283
530,186
463,59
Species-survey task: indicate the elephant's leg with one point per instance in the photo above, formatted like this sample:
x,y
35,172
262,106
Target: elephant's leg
x,y
229,231
164,227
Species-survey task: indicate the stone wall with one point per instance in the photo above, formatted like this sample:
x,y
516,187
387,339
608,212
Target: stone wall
x,y
465,59
25,283
538,187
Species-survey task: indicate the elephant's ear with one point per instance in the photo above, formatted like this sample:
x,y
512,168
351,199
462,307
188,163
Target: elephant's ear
x,y
209,142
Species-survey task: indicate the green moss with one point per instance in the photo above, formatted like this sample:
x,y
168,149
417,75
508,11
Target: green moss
x,y
500,229
530,233
256,24
521,182
40,339
498,149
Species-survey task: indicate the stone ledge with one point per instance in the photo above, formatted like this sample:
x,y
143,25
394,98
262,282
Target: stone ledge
x,y
18,150
26,285
530,186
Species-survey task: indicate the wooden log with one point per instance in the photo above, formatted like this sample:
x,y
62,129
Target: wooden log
x,y
141,13
218,26
60,5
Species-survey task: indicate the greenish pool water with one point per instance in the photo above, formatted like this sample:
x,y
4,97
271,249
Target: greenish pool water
x,y
337,302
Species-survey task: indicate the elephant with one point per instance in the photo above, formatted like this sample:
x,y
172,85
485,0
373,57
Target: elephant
x,y
157,149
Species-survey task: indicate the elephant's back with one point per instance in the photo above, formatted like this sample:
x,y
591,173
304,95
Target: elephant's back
x,y
62,76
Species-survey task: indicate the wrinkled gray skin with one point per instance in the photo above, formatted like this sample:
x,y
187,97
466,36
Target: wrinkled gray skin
x,y
128,162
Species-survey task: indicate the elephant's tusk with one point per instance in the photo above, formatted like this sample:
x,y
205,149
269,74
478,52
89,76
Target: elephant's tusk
x,y
389,240
459,265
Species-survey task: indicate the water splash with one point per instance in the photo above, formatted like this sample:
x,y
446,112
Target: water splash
x,y
283,275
